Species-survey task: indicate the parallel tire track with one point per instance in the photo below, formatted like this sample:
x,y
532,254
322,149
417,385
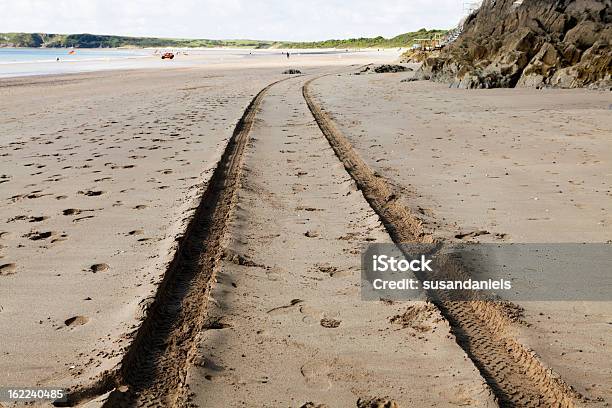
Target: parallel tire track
x,y
515,374
152,373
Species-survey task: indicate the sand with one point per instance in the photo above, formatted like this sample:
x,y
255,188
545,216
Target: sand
x,y
292,327
523,165
530,165
102,172
206,58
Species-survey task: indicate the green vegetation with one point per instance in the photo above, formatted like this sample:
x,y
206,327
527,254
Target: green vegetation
x,y
21,40
112,41
37,40
400,41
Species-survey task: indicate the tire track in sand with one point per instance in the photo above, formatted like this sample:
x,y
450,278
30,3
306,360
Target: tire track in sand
x,y
153,370
514,373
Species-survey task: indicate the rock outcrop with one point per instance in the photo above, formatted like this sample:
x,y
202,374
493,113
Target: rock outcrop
x,y
537,43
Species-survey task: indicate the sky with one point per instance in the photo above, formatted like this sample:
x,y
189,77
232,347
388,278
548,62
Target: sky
x,y
293,20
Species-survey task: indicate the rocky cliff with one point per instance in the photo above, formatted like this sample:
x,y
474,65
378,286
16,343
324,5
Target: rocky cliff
x,y
539,43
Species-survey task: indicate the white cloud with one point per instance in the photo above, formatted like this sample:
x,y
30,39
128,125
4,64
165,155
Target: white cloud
x,y
263,19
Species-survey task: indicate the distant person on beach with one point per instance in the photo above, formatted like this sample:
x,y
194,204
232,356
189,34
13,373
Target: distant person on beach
x,y
57,59
287,54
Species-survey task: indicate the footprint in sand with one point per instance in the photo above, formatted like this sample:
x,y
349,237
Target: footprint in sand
x,y
314,316
309,209
311,404
76,321
376,403
27,218
333,271
8,269
212,367
90,193
30,196
140,207
44,235
316,373
37,236
329,323
100,267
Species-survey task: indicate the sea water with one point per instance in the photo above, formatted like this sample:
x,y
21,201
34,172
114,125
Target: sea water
x,y
41,61
32,55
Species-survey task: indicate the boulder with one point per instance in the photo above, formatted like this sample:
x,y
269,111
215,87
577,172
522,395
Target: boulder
x,y
584,35
385,68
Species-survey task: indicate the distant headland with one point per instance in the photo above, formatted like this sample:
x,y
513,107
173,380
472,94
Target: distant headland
x,y
47,40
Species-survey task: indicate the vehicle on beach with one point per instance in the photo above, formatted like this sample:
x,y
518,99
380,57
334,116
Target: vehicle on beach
x,y
167,55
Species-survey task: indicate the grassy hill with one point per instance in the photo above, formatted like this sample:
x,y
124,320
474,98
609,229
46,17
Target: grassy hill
x,y
402,40
42,40
37,40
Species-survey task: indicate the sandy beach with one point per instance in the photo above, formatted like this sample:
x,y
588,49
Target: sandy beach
x,y
149,59
191,236
100,175
497,166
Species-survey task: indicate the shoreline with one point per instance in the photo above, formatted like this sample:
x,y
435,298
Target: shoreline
x,y
198,57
